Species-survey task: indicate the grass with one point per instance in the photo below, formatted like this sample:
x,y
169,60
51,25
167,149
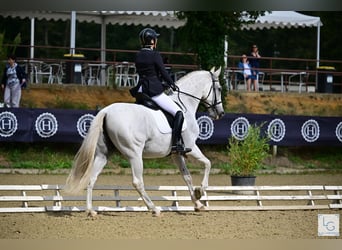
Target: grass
x,y
315,157
54,156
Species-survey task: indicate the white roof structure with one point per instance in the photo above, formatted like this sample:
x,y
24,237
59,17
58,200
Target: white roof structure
x,y
284,19
287,19
166,19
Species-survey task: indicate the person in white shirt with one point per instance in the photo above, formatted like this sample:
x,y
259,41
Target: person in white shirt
x,y
245,66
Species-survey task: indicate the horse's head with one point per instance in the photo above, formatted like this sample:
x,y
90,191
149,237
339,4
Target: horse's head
x,y
212,100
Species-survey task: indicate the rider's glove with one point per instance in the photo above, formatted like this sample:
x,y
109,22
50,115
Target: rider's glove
x,y
173,87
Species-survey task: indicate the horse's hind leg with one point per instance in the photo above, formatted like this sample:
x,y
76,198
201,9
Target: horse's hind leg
x,y
179,160
99,163
138,183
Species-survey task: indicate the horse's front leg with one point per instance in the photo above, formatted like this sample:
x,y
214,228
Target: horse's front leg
x,y
195,194
197,154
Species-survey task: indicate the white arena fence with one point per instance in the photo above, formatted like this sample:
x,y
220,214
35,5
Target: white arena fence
x,y
50,198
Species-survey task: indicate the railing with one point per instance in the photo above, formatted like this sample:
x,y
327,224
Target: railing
x,y
179,61
273,66
175,61
44,198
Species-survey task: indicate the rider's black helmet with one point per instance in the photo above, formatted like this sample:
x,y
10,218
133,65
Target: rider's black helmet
x,y
147,35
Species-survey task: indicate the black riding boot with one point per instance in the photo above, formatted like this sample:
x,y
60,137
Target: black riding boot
x,y
177,142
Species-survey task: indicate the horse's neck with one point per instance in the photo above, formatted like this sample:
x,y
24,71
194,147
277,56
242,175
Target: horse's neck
x,y
189,101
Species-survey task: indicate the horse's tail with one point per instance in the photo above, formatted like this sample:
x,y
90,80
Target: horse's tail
x,y
80,173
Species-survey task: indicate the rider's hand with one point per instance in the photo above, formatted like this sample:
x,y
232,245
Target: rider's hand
x,y
168,91
173,87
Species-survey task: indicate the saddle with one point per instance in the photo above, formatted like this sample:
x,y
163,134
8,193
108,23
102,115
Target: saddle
x,y
145,100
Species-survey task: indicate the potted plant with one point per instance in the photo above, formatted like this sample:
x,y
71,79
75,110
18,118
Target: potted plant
x,y
246,156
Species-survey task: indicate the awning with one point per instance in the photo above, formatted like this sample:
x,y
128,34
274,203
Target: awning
x,y
287,19
166,19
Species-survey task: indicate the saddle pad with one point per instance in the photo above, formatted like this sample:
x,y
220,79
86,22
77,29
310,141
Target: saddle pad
x,y
162,122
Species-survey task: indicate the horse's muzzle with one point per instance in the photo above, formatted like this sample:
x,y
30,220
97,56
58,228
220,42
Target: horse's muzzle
x,y
220,115
216,115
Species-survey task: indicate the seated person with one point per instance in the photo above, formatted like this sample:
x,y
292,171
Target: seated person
x,y
247,72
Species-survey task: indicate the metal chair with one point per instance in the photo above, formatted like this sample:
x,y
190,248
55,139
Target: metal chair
x,y
110,75
261,78
57,73
43,71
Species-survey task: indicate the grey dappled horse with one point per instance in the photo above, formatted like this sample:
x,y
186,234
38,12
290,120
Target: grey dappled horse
x,y
133,130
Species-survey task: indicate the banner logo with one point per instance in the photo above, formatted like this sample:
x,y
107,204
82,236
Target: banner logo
x,y
46,125
8,124
310,130
239,128
206,127
84,123
276,129
338,131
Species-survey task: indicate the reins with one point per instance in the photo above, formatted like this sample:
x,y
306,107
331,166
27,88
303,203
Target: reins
x,y
215,102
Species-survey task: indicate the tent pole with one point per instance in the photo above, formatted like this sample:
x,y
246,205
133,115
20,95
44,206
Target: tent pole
x,y
32,39
318,42
318,49
72,32
103,52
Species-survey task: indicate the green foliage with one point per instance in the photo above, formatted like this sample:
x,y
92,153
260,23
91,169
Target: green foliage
x,y
5,51
38,156
246,156
204,34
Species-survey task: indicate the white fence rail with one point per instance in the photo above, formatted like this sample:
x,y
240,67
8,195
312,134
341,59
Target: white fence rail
x,y
50,198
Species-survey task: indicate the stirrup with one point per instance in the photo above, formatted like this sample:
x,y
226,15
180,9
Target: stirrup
x,y
179,149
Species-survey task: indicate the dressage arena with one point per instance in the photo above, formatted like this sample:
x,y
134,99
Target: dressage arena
x,y
294,219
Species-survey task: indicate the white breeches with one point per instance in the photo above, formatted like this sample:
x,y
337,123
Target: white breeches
x,y
166,103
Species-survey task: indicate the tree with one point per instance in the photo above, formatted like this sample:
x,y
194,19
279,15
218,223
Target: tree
x,y
5,51
204,33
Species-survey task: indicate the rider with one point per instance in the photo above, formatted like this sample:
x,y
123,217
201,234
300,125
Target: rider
x,y
151,70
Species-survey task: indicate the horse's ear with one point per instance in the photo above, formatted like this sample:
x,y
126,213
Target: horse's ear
x,y
217,72
212,69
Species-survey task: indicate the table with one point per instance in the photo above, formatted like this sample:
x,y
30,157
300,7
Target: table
x,y
286,74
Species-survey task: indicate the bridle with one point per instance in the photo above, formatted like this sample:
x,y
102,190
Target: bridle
x,y
208,105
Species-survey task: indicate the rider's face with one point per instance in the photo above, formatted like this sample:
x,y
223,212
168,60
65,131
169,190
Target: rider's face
x,y
154,45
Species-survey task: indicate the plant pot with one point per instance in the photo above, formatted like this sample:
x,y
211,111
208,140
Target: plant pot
x,y
243,181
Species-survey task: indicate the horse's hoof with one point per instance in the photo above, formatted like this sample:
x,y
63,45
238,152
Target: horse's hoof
x,y
201,209
156,213
91,213
198,193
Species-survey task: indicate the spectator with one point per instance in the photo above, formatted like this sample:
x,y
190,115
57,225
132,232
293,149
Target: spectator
x,y
13,79
246,68
254,62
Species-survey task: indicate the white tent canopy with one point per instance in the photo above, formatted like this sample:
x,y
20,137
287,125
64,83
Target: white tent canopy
x,y
287,19
153,18
166,19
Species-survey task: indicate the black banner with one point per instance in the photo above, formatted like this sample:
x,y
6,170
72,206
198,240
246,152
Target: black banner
x,y
59,125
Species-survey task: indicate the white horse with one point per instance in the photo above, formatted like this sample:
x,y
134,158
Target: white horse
x,y
134,131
